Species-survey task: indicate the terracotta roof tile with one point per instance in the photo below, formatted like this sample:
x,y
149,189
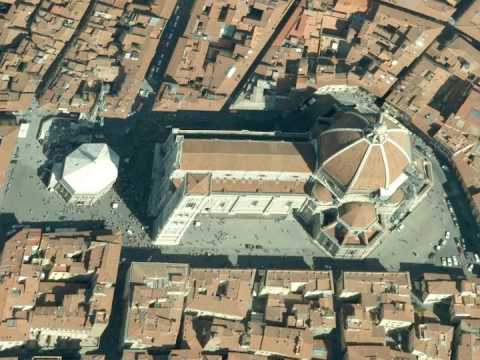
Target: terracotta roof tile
x,y
238,155
358,215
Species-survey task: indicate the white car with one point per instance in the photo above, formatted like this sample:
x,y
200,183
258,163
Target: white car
x,y
444,261
447,235
436,248
470,267
455,261
442,242
477,258
449,261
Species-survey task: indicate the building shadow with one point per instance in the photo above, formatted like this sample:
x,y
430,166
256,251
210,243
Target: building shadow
x,y
325,263
225,120
134,140
462,7
8,222
97,226
152,254
272,262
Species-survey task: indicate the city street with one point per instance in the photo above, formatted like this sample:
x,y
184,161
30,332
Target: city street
x,y
174,29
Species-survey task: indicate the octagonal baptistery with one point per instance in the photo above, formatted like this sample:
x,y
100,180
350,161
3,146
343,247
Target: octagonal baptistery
x,y
88,173
363,156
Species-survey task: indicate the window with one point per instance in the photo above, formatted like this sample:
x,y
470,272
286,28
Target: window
x,y
223,14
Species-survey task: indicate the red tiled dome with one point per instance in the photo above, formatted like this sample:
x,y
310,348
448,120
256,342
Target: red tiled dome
x,y
363,157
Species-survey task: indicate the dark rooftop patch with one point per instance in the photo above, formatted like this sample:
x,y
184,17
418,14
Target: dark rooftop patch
x,y
451,96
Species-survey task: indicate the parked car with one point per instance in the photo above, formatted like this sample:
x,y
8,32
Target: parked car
x,y
470,267
447,235
444,261
449,261
476,257
455,261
